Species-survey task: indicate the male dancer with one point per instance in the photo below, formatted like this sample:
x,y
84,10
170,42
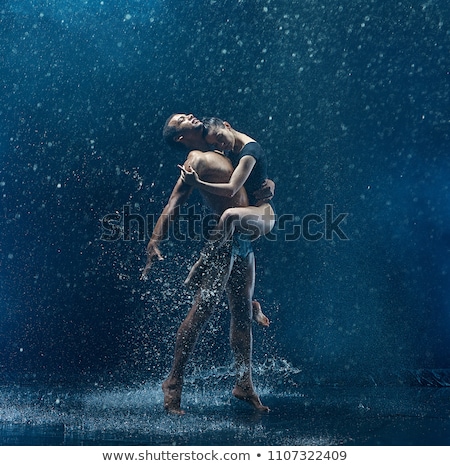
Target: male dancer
x,y
229,270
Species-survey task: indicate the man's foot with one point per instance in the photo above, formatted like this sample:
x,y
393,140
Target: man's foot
x,y
258,315
172,398
250,397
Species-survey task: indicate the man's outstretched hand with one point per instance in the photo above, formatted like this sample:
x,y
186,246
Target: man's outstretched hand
x,y
153,253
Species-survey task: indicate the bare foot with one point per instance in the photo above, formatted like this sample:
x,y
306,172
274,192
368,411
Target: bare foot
x,y
172,398
258,315
250,397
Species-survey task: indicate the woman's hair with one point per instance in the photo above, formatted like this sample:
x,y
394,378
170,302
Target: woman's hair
x,y
211,122
170,132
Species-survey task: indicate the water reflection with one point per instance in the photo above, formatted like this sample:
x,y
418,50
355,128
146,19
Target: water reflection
x,y
312,416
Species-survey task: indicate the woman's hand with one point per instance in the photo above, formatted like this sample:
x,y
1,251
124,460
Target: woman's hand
x,y
190,176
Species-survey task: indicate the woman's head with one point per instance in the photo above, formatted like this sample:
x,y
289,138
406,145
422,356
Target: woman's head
x,y
218,133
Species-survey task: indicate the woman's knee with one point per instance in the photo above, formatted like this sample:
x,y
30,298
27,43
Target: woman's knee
x,y
230,216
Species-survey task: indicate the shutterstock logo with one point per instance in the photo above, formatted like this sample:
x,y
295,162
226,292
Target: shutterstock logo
x,y
193,225
312,226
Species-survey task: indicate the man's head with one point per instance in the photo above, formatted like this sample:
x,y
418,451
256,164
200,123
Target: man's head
x,y
183,131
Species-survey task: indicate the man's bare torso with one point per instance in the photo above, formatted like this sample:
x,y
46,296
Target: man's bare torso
x,y
215,168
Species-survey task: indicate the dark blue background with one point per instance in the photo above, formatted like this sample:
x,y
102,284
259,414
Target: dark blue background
x,y
349,100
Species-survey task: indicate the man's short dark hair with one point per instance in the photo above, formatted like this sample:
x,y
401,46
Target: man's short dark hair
x,y
170,132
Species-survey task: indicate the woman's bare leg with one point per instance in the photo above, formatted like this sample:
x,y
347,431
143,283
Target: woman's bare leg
x,y
254,221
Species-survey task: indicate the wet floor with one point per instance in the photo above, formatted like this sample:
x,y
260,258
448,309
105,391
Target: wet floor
x,y
309,416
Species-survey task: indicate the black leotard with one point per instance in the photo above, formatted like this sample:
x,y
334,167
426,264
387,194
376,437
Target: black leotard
x,y
259,171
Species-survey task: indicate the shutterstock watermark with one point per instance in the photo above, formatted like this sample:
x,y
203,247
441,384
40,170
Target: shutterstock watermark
x,y
190,224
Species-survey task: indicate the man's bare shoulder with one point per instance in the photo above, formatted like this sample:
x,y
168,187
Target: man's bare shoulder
x,y
202,159
201,155
210,165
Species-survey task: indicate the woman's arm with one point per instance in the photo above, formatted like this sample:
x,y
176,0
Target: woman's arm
x,y
237,180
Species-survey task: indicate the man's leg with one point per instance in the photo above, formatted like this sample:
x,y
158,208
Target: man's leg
x,y
240,288
198,269
206,300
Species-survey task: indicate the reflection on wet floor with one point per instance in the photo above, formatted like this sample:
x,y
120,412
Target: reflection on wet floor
x,y
309,416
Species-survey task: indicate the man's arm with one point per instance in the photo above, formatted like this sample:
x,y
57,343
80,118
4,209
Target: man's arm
x,y
179,196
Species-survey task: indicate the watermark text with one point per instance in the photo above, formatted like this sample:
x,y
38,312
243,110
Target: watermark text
x,y
189,224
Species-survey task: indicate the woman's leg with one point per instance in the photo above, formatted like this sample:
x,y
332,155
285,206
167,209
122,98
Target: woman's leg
x,y
254,221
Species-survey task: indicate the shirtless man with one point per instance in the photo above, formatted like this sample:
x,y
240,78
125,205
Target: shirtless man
x,y
229,271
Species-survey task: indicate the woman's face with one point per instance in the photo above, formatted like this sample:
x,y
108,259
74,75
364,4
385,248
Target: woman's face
x,y
220,138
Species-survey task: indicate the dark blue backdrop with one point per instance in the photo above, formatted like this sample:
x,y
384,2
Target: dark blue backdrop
x,y
350,101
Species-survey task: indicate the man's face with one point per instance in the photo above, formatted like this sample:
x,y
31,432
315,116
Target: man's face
x,y
186,123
